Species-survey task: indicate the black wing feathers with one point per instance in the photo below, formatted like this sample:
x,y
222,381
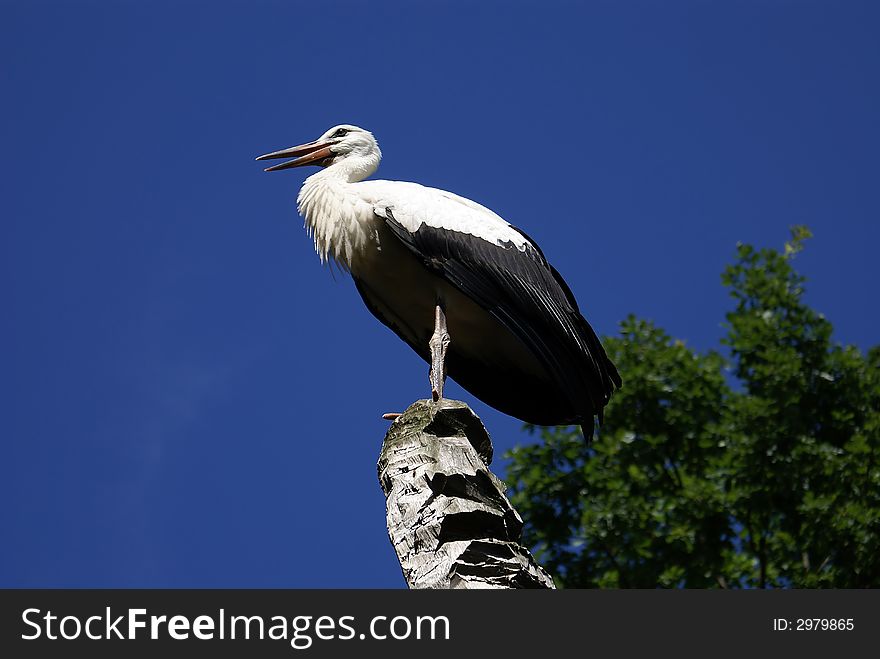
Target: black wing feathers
x,y
530,298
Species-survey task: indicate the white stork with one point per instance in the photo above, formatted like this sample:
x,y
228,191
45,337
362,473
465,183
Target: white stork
x,y
470,293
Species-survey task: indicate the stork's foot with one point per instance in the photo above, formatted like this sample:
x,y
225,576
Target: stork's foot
x,y
438,344
436,382
392,416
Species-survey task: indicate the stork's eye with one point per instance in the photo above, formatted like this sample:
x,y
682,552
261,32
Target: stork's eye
x,y
342,132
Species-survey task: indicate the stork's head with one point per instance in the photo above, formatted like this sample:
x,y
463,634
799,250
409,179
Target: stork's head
x,y
341,143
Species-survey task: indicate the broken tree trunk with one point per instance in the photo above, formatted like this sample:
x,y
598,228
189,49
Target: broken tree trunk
x,y
448,518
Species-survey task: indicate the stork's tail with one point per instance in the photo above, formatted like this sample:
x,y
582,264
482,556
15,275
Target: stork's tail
x,y
588,428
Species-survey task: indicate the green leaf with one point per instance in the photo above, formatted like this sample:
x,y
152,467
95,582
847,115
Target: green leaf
x,y
699,479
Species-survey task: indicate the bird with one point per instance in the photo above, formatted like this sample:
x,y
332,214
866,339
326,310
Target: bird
x,y
471,294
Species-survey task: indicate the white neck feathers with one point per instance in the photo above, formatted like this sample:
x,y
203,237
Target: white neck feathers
x,y
339,221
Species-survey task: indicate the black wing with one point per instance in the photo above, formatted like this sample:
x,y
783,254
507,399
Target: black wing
x,y
529,297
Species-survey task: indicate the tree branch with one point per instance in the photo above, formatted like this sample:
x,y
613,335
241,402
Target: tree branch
x,y
448,517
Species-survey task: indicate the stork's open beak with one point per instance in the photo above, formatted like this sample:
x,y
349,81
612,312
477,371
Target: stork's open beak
x,y
305,154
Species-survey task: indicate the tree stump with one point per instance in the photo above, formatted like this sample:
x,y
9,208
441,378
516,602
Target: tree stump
x,y
448,517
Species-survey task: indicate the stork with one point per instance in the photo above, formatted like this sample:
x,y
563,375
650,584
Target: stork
x,y
473,295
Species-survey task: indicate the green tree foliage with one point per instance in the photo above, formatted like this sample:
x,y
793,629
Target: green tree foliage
x,y
755,470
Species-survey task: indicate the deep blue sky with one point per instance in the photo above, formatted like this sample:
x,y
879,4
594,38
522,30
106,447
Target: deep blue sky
x,y
190,399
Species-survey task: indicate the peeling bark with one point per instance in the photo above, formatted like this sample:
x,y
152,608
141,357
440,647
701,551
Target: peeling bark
x,y
448,517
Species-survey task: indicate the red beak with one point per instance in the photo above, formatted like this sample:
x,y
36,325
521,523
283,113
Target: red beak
x,y
305,154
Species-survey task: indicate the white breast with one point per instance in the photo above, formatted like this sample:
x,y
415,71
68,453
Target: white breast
x,y
341,223
344,218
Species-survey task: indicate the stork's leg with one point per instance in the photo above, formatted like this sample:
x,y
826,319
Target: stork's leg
x,y
438,344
